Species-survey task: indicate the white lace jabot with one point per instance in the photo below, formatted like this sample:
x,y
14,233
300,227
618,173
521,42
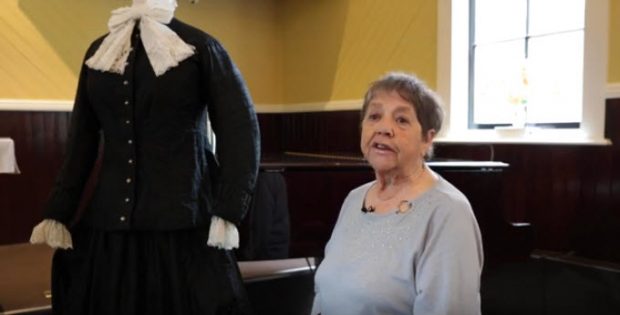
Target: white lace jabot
x,y
164,48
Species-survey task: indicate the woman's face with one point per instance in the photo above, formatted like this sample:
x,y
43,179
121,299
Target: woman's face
x,y
392,140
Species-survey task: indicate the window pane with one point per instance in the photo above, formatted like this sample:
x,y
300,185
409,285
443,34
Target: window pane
x,y
500,20
549,16
498,82
555,70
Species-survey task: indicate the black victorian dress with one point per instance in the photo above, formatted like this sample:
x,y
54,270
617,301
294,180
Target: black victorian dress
x,y
140,245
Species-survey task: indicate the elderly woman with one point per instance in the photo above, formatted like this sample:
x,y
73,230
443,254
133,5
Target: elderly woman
x,y
408,242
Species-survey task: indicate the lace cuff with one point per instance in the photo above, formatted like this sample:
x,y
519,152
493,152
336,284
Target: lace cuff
x,y
52,233
223,234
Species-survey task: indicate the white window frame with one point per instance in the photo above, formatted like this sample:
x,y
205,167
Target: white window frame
x,y
452,81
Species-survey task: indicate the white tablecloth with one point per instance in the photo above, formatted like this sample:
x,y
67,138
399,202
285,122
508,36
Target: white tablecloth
x,y
7,156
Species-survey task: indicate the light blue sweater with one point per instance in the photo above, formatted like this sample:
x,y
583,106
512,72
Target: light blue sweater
x,y
425,261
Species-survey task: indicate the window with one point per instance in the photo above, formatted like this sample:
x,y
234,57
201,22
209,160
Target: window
x,y
538,66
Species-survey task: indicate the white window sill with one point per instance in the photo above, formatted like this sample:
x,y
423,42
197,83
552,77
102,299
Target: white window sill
x,y
522,136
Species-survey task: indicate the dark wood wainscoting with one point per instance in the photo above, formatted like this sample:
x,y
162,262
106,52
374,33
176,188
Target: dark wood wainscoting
x,y
40,139
564,191
570,193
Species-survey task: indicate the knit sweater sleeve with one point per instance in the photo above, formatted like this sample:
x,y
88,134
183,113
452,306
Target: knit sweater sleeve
x,y
449,268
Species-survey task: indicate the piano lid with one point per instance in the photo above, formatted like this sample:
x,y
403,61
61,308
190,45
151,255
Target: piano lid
x,y
310,160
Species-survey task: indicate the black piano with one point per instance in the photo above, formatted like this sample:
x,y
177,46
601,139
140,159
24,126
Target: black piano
x,y
316,184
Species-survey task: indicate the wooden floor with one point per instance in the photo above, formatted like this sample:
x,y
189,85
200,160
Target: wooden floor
x,y
24,278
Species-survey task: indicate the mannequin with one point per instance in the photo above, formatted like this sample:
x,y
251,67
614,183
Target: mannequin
x,y
157,235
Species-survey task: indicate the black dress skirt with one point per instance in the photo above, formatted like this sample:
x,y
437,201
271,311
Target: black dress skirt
x,y
146,272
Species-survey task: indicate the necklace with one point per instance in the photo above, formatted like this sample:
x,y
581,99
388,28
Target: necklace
x,y
403,206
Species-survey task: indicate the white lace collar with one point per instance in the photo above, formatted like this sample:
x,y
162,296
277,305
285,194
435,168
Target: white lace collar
x,y
164,48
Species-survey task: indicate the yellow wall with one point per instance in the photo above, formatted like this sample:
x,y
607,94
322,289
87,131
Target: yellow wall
x,y
311,32
41,52
42,42
289,51
333,49
249,31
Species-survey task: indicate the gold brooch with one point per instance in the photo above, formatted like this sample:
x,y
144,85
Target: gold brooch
x,y
404,206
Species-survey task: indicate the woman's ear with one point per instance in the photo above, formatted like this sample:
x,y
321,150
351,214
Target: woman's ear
x,y
428,144
430,135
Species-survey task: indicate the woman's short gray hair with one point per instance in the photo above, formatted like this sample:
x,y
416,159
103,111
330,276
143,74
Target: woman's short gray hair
x,y
426,103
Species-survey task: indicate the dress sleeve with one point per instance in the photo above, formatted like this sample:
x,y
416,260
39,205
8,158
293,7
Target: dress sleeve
x,y
223,234
52,233
448,271
235,125
81,153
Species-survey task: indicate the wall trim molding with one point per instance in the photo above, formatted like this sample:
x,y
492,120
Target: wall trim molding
x,y
310,107
27,105
67,106
612,90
